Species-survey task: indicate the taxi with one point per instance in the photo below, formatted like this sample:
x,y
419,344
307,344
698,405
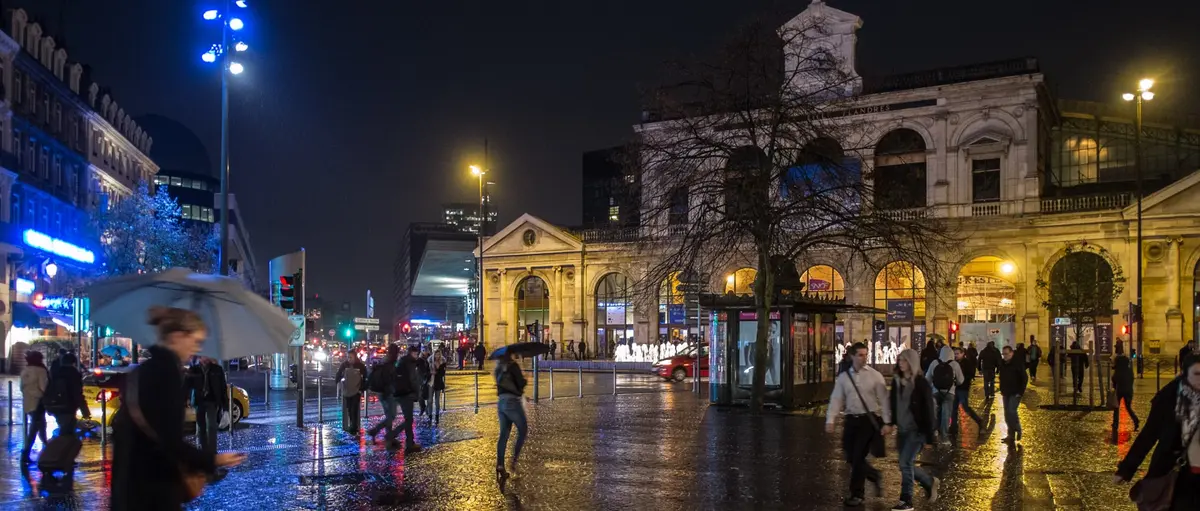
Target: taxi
x,y
102,393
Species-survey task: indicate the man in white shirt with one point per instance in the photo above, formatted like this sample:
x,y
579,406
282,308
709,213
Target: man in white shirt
x,y
862,394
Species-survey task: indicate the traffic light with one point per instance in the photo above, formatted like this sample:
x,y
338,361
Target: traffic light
x,y
953,332
287,292
348,332
405,327
1135,313
1125,329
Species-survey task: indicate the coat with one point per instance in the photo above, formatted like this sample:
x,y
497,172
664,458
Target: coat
x,y
1162,429
921,405
408,368
146,471
69,376
1013,378
1122,376
33,385
989,360
207,383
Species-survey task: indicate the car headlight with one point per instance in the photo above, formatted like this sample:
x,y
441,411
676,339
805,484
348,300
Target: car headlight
x,y
660,363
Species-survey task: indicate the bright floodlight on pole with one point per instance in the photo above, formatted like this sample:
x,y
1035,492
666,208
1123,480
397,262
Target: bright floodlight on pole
x,y
241,46
209,56
211,14
241,3
236,68
236,24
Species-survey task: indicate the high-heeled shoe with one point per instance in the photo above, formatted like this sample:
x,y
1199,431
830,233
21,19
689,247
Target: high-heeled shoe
x,y
501,478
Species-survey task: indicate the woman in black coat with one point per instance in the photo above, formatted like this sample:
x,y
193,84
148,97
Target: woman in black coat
x,y
1122,383
149,452
1174,417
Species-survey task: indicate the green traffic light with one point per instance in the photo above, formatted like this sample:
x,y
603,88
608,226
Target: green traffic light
x,y
348,333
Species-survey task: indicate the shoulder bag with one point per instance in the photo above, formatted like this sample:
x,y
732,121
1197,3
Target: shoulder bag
x,y
193,482
878,446
1157,493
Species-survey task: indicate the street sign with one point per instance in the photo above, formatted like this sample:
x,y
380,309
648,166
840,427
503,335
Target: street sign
x,y
366,328
1062,321
366,321
297,336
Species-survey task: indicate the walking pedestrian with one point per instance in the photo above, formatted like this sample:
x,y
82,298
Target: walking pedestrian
x,y
989,363
1122,384
571,349
210,398
973,353
862,394
462,356
945,375
1079,365
64,395
351,377
582,350
425,373
553,349
408,389
1013,381
510,410
439,386
480,355
1035,358
962,392
928,354
148,443
913,412
34,380
1172,425
382,380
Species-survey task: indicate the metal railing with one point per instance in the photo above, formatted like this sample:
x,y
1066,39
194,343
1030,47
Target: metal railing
x,y
1085,203
988,209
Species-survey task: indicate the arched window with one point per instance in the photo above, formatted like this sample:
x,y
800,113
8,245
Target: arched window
x,y
533,309
614,314
900,170
1082,286
747,186
821,165
900,290
987,302
824,281
741,282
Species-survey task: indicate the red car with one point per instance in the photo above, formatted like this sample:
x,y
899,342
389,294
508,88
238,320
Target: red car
x,y
680,366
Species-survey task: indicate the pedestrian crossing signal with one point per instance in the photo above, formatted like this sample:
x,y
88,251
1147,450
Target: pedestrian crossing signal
x,y
287,292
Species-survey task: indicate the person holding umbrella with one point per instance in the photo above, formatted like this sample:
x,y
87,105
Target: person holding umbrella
x,y
151,461
510,404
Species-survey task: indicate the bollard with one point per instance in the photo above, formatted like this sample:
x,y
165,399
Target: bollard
x,y
320,410
103,418
614,379
1158,374
229,394
580,381
476,392
537,381
552,384
10,400
267,386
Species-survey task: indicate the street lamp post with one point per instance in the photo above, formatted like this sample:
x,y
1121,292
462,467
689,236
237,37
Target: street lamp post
x,y
229,25
480,173
1143,94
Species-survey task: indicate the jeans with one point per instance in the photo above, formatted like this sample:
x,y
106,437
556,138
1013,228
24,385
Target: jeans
x,y
1033,364
351,413
208,419
37,429
857,436
910,444
945,403
437,397
1128,399
389,417
962,395
424,398
511,413
1011,418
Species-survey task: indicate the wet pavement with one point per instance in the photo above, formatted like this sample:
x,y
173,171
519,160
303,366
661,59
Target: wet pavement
x,y
659,447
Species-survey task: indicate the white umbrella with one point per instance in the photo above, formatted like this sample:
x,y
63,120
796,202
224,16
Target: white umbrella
x,y
240,323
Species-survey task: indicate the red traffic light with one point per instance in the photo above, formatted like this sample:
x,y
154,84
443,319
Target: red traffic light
x,y
405,327
953,327
1124,329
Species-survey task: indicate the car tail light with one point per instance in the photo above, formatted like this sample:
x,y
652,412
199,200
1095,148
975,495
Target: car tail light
x,y
106,395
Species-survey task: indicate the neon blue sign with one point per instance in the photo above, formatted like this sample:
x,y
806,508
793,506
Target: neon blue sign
x,y
26,286
58,247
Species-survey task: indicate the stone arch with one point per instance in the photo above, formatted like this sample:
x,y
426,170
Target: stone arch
x,y
1082,246
993,120
900,124
971,255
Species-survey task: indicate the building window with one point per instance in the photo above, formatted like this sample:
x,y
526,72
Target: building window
x,y
677,212
44,164
175,181
187,211
44,219
162,180
985,180
198,184
17,149
14,209
614,213
207,214
900,170
58,176
17,89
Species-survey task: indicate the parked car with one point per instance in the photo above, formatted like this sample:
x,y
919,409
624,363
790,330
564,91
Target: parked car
x,y
102,392
681,366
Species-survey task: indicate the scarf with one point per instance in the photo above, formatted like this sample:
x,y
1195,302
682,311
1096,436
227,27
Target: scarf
x,y
1187,411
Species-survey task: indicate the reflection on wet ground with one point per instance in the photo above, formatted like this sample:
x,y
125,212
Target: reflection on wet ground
x,y
662,449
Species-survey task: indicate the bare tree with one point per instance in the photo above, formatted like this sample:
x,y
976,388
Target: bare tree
x,y
761,157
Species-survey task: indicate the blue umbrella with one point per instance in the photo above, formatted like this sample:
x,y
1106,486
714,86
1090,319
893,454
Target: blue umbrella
x,y
521,349
114,351
240,323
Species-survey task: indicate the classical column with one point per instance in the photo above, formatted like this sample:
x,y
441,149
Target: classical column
x,y
1175,321
501,336
556,317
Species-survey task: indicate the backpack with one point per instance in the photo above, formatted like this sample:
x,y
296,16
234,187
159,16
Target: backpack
x,y
351,382
943,377
376,380
404,375
57,397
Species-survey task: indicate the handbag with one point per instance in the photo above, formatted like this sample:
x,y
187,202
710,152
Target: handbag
x,y
878,444
1157,493
193,481
1113,402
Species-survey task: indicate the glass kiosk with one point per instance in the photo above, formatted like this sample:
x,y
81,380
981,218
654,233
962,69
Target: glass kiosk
x,y
801,348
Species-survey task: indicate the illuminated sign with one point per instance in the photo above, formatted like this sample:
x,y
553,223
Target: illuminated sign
x,y
25,286
58,247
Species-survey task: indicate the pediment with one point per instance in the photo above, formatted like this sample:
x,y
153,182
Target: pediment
x,y
1179,198
530,235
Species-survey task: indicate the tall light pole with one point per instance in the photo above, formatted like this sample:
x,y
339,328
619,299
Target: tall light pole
x,y
1143,94
480,173
230,24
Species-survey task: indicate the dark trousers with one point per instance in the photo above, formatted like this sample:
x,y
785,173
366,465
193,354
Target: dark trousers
x,y
388,404
406,408
962,394
856,443
480,362
351,413
66,422
1077,376
208,419
1187,492
424,398
37,429
989,383
1033,364
1127,397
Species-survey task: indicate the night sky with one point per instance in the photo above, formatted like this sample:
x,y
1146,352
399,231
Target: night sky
x,y
355,118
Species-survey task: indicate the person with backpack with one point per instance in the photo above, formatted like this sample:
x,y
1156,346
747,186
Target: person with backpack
x,y
962,392
34,380
989,363
210,398
1035,358
480,355
408,390
1079,366
350,377
510,411
945,374
382,381
64,395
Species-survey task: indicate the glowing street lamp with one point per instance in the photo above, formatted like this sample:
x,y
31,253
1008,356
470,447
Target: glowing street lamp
x,y
236,24
241,46
236,68
1142,94
210,14
479,172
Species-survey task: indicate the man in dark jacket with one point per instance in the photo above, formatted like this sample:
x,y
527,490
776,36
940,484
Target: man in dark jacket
x,y
408,391
1079,365
210,397
480,355
1035,357
928,354
64,394
426,375
962,392
973,353
1013,381
989,363
1122,382
384,373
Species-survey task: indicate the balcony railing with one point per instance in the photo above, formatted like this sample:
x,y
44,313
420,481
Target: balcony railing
x,y
903,215
1085,203
986,209
615,235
